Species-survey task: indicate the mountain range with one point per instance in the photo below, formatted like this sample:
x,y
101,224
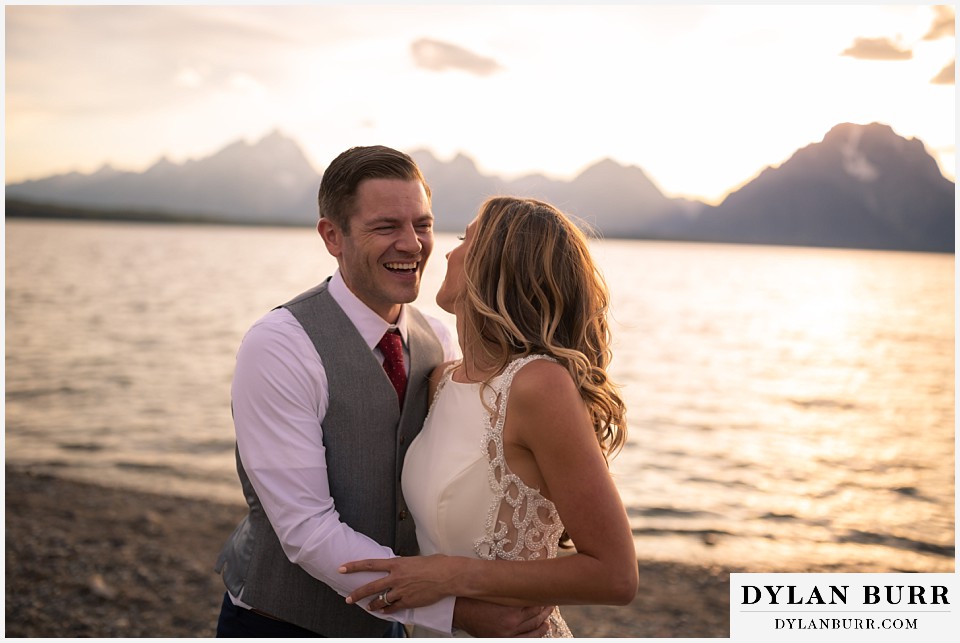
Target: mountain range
x,y
862,186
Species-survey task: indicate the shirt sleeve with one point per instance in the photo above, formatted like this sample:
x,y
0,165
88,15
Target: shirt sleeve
x,y
279,397
451,349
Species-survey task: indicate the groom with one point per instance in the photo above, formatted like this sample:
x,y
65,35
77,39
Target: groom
x,y
329,391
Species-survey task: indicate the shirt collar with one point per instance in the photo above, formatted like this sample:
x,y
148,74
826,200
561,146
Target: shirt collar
x,y
369,324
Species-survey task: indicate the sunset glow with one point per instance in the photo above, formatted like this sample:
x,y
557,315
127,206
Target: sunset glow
x,y
702,97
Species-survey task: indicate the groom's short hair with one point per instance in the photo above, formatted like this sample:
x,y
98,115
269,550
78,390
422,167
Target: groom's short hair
x,y
338,187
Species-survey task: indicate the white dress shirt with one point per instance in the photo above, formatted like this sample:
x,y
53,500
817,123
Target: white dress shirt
x,y
280,397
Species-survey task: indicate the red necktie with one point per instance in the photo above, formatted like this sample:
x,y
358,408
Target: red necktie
x,y
392,348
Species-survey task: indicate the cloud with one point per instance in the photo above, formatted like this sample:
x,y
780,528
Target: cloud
x,y
876,49
245,83
434,55
189,77
947,75
943,24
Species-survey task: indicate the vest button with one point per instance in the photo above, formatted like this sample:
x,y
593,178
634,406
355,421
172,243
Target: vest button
x,y
403,514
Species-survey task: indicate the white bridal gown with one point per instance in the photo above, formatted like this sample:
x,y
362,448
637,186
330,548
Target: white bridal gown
x,y
463,496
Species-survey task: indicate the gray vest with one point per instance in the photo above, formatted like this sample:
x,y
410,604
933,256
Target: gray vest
x,y
366,438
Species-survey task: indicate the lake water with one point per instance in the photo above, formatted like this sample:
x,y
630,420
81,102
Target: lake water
x,y
789,408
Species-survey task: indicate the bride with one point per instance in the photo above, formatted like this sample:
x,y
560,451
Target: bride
x,y
511,464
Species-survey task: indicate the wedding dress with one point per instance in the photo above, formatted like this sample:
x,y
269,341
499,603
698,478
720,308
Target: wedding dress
x,y
463,497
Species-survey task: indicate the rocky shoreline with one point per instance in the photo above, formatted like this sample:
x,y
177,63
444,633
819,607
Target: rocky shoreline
x,y
89,561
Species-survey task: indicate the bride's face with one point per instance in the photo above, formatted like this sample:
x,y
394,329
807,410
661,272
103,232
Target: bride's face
x,y
453,284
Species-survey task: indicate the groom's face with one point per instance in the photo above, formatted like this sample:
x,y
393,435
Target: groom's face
x,y
453,287
383,253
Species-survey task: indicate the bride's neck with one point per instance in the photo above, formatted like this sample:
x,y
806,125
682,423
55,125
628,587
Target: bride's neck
x,y
481,360
477,364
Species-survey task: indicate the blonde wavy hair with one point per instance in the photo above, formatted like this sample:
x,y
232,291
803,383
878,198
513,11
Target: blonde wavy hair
x,y
531,287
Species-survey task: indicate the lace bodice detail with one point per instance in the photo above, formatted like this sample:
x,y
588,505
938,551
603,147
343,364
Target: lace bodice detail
x,y
521,523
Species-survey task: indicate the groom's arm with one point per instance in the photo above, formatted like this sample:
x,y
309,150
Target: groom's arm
x,y
481,619
279,395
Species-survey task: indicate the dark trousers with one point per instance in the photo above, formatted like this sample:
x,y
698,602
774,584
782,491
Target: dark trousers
x,y
237,622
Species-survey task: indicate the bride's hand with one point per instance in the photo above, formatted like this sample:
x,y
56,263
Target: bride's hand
x,y
410,582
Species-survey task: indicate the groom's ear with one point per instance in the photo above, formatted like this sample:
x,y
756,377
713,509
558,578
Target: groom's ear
x,y
332,236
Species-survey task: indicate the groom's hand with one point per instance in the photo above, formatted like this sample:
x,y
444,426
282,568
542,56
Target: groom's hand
x,y
481,619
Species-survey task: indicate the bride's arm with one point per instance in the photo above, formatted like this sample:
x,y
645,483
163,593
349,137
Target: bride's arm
x,y
547,416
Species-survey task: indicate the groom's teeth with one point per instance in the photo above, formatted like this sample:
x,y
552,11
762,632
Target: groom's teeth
x,y
401,266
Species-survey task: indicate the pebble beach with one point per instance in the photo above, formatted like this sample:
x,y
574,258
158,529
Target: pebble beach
x,y
84,560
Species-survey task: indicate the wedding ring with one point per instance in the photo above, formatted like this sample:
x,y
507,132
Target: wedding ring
x,y
383,597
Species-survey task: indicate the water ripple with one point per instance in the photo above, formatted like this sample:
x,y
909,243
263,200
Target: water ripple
x,y
789,398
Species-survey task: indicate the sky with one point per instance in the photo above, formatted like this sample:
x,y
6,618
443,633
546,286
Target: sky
x,y
702,97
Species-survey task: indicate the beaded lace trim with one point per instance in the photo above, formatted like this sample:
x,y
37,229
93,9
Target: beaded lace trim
x,y
521,523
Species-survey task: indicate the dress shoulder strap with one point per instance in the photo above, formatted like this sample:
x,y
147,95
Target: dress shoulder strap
x,y
444,378
502,386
